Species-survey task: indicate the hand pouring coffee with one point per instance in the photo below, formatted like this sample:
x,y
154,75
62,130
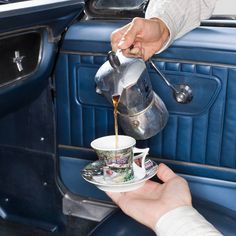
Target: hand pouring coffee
x,y
141,113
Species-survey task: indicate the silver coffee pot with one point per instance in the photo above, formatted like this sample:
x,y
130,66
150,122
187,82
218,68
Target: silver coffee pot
x,y
141,112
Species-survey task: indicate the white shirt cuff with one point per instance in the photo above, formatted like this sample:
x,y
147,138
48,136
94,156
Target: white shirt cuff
x,y
184,221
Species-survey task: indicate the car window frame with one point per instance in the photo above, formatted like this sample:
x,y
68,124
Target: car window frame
x,y
113,13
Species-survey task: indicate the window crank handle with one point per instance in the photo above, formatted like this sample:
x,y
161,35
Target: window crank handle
x,y
182,93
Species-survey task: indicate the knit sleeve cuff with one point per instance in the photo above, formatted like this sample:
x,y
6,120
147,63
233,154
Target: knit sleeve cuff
x,y
184,221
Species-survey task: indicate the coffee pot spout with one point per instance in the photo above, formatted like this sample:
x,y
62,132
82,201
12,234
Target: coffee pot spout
x,y
108,77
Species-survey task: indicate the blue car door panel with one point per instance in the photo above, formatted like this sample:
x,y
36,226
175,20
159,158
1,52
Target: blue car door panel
x,y
199,139
30,32
50,113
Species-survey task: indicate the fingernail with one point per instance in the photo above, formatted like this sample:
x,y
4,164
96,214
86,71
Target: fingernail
x,y
122,41
134,50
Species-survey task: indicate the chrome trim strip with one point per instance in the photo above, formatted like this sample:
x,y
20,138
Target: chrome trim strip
x,y
12,9
85,208
84,53
163,59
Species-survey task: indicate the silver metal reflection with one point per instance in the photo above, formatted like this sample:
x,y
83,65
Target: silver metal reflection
x,y
181,92
141,112
18,60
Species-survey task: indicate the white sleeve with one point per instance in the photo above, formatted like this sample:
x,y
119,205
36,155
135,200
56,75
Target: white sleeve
x,y
184,221
180,16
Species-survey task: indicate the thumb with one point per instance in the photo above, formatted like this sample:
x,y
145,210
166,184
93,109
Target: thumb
x,y
164,173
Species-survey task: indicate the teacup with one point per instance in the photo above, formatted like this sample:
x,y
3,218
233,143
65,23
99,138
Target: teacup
x,y
120,162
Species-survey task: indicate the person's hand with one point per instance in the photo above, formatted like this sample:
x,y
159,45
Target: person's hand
x,y
148,203
140,38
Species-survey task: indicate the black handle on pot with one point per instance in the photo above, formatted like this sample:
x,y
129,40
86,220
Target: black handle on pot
x,y
113,59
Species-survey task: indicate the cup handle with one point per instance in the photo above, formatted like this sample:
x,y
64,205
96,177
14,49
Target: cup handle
x,y
139,171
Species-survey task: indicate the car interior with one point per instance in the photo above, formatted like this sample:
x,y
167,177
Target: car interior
x,y
50,51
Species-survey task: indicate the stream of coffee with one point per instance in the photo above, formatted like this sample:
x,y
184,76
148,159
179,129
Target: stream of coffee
x,y
115,101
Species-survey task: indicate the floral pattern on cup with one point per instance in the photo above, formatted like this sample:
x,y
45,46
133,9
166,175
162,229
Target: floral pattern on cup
x,y
119,165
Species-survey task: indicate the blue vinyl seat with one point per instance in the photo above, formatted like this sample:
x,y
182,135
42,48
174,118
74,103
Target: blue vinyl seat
x,y
119,224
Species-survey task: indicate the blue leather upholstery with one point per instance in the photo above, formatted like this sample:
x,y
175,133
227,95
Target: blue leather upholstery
x,y
199,138
218,192
199,132
202,131
121,225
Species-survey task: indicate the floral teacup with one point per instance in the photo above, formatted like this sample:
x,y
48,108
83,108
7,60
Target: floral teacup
x,y
120,162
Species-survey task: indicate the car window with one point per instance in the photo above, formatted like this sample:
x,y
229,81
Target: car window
x,y
118,4
225,8
115,8
131,8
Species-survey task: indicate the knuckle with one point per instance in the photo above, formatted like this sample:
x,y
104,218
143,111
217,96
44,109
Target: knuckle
x,y
137,20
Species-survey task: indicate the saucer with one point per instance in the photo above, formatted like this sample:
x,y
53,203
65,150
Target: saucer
x,y
93,173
